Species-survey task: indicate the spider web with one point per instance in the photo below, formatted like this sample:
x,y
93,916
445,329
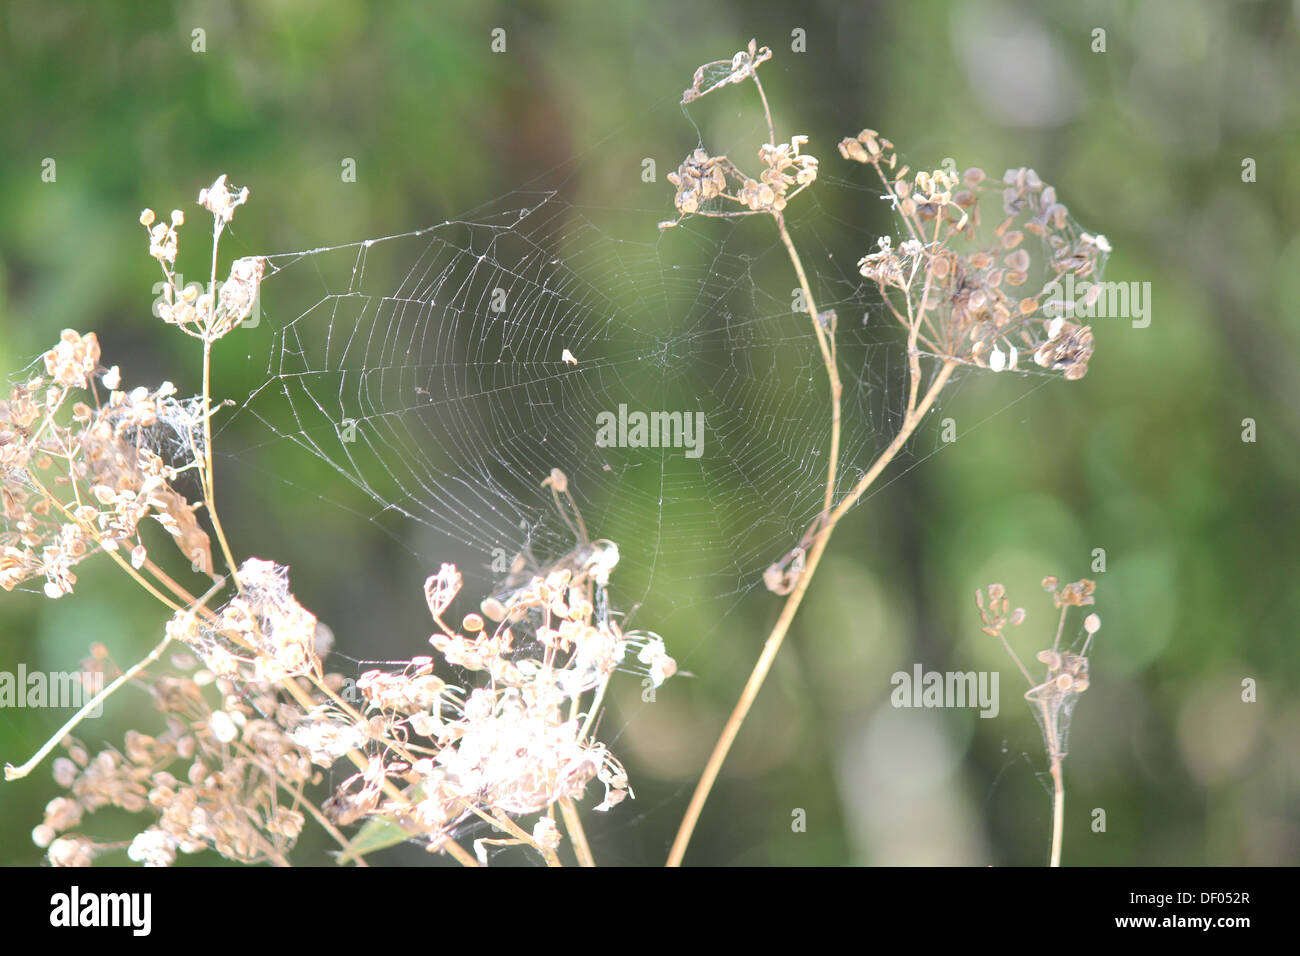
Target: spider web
x,y
445,372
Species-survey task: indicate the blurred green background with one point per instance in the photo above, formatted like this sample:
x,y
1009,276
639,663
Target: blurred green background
x,y
1144,457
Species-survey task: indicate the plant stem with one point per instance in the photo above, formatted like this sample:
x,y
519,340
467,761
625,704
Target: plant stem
x,y
1058,810
1056,757
456,852
826,342
573,823
209,494
324,821
1006,645
16,773
777,636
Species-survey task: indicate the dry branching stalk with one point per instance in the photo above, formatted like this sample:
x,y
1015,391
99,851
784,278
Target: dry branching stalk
x,y
953,291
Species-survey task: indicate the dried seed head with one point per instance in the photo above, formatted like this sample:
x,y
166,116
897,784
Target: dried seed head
x,y
73,360
223,727
558,481
546,834
220,201
441,589
1077,594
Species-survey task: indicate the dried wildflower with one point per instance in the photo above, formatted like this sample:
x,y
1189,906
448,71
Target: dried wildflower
x,y
719,73
654,655
214,778
326,740
164,240
220,201
262,632
699,179
205,315
72,851
441,589
1076,594
998,613
713,185
238,294
961,290
513,746
72,362
884,266
546,834
153,847
786,167
1053,699
519,741
109,475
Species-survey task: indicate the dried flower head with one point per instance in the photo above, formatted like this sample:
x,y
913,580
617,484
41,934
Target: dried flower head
x,y
518,739
965,287
262,634
79,477
1067,672
215,778
238,294
718,73
73,360
710,185
1054,697
205,315
219,200
715,186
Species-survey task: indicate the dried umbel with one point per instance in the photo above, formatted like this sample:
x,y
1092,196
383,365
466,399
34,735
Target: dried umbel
x,y
714,185
1053,698
80,469
73,360
238,294
221,202
718,73
957,289
516,741
223,777
205,315
1067,671
982,297
261,634
432,754
82,466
